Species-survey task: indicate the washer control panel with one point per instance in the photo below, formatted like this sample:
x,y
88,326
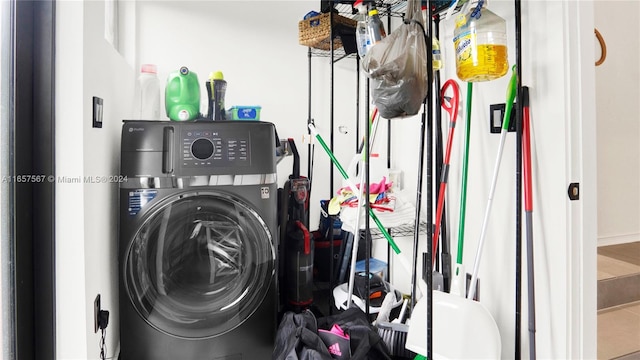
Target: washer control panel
x,y
202,148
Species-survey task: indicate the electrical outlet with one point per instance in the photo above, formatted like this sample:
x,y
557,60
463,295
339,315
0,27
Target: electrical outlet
x,y
496,115
96,313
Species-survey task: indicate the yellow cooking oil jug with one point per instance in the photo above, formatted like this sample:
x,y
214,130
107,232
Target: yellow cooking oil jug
x,y
480,47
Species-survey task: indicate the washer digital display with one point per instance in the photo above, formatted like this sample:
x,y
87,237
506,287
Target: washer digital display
x,y
213,148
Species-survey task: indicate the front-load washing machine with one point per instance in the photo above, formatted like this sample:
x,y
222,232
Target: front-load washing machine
x,y
198,244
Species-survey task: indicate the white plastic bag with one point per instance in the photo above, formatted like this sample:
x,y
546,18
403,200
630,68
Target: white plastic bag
x,y
397,66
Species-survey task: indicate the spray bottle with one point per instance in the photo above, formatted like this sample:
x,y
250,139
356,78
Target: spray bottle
x,y
363,39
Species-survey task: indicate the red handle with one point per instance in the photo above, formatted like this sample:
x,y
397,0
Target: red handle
x,y
452,109
451,106
526,152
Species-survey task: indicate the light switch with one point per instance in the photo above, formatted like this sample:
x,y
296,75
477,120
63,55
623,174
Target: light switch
x,y
496,115
97,112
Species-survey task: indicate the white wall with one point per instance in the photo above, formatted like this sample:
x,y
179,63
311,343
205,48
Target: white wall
x,y
547,70
71,301
86,212
255,44
261,61
618,92
109,77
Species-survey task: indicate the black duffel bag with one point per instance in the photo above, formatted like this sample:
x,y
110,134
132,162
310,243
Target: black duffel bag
x,y
297,337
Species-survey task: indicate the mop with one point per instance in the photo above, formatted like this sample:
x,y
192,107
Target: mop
x,y
528,205
442,275
354,251
511,94
452,109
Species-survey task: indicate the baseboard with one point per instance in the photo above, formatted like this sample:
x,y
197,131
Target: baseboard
x,y
618,239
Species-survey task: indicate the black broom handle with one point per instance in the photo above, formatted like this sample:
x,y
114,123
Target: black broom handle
x,y
518,319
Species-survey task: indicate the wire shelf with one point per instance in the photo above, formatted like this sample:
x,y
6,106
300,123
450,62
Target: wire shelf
x,y
395,8
389,8
400,231
338,54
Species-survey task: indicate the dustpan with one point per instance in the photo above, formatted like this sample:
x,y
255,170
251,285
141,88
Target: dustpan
x,y
463,329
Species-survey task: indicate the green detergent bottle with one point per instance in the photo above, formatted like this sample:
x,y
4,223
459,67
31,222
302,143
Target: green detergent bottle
x,y
182,95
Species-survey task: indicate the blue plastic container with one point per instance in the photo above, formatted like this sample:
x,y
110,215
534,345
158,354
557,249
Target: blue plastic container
x,y
244,113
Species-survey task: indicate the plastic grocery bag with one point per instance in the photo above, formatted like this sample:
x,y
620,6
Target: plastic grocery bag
x,y
397,66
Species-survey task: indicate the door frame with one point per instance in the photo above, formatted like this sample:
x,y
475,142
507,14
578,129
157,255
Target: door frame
x,y
31,240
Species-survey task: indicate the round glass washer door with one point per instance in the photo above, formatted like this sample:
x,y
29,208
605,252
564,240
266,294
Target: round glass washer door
x,y
199,265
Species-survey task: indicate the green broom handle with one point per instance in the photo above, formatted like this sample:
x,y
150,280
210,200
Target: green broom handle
x,y
511,96
465,166
344,174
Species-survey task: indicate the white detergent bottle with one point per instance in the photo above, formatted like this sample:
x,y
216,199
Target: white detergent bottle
x,y
146,103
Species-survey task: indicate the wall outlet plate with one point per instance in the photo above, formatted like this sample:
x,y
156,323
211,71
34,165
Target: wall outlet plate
x,y
97,112
96,313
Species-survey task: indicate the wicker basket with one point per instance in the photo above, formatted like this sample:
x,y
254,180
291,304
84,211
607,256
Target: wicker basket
x,y
315,31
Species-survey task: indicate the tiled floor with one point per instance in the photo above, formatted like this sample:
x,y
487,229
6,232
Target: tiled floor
x,y
619,326
609,267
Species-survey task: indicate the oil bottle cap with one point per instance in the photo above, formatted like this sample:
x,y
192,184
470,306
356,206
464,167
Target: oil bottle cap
x,y
216,75
373,12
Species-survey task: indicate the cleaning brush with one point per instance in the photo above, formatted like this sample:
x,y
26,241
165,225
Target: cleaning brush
x,y
395,336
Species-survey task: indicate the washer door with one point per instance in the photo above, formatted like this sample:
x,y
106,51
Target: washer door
x,y
200,265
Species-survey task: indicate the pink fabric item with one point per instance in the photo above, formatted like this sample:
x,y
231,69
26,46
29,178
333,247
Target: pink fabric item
x,y
337,330
375,188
